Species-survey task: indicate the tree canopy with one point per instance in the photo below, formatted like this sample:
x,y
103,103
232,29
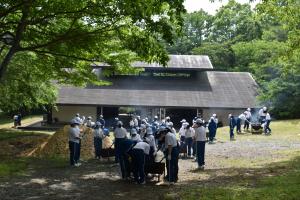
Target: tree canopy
x,y
264,41
60,39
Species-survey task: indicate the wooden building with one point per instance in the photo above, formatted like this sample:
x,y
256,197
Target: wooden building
x,y
188,87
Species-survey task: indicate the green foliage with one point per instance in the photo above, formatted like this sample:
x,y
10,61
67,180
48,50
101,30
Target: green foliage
x,y
195,30
235,22
220,54
60,39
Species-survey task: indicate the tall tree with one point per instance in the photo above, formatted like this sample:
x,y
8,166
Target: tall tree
x,y
60,39
195,31
235,22
75,33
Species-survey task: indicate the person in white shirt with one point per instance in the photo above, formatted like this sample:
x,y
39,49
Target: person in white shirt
x,y
262,114
120,134
216,120
172,153
138,159
98,136
74,140
239,121
200,139
189,134
151,140
248,119
182,133
267,124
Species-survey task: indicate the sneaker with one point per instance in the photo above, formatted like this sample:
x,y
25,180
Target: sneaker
x,y
77,164
171,183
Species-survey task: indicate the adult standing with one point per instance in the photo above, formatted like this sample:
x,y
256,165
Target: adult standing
x,y
120,134
232,124
189,134
19,119
267,124
172,153
15,118
74,139
200,138
216,120
98,136
212,128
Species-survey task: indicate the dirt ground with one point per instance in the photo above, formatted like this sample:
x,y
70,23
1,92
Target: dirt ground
x,y
225,161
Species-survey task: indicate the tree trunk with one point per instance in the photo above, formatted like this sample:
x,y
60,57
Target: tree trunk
x,y
19,31
5,62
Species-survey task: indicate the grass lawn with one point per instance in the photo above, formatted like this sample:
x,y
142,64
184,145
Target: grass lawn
x,y
285,186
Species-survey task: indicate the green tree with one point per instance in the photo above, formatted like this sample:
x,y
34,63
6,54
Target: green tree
x,y
195,31
220,54
60,39
235,22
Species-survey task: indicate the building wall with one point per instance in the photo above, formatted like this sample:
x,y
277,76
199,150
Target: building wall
x,y
221,113
66,113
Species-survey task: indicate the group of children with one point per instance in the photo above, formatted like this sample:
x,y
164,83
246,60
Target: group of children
x,y
263,118
137,146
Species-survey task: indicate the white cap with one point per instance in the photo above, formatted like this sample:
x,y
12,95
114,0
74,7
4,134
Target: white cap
x,y
183,121
74,121
89,117
167,117
98,124
133,131
248,109
212,118
214,115
101,116
264,108
155,117
199,121
77,115
185,124
170,124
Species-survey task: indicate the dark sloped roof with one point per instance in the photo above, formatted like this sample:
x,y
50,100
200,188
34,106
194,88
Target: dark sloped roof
x,y
207,89
187,62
